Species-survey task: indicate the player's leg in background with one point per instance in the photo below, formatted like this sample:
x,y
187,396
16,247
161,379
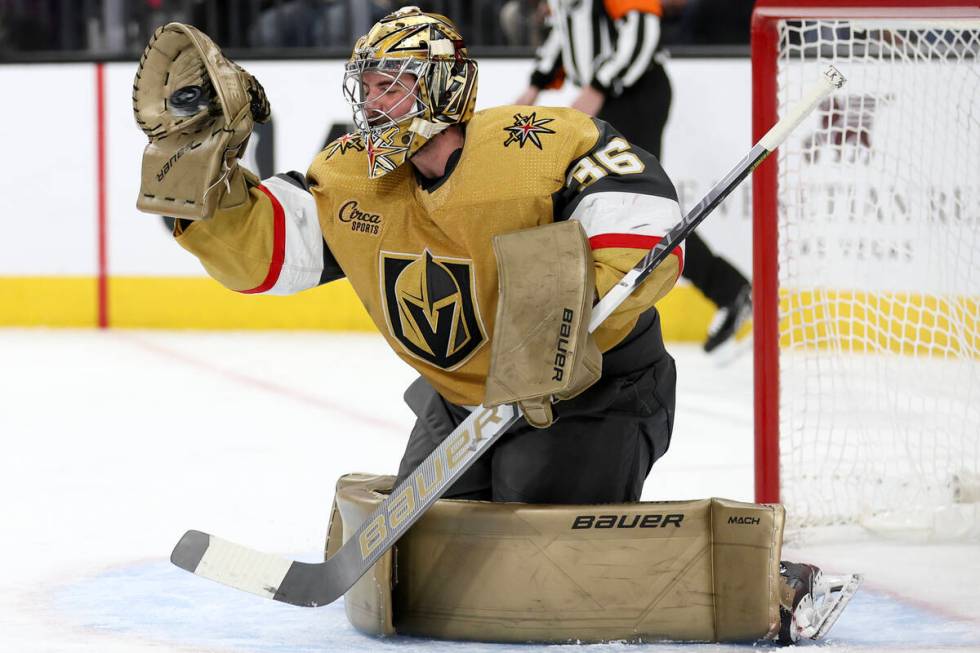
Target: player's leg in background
x,y
640,114
722,284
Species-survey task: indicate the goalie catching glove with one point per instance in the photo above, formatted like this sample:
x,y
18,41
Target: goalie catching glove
x,y
197,108
542,347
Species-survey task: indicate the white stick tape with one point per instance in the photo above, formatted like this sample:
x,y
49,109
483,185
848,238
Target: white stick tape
x,y
830,81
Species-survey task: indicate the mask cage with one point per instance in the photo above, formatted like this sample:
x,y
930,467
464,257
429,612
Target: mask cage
x,y
399,72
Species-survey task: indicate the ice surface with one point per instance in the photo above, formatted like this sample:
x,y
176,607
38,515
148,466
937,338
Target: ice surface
x,y
115,443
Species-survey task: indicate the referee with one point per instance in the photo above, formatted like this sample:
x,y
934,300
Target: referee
x,y
609,49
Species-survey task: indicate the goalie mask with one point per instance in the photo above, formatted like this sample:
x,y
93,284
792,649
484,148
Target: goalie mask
x,y
407,80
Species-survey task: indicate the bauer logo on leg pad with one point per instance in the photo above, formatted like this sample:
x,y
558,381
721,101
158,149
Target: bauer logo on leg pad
x,y
627,521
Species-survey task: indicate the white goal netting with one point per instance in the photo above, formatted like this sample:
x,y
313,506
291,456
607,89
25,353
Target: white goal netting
x,y
879,276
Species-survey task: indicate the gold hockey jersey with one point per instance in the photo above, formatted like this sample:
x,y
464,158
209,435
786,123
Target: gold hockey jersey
x,y
421,261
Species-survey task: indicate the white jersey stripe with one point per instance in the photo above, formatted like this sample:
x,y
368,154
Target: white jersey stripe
x,y
303,261
626,213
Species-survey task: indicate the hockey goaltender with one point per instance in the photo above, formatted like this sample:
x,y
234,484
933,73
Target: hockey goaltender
x,y
477,242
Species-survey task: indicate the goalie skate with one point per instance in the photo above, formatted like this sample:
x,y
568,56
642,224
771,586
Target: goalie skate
x,y
811,600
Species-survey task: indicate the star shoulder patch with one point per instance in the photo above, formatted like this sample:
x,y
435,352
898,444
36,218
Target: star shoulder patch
x,y
527,128
345,143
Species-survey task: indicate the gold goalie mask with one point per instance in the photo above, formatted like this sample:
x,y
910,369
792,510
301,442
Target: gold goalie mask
x,y
407,80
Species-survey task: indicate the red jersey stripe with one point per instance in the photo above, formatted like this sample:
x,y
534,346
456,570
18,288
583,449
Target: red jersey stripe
x,y
278,245
633,241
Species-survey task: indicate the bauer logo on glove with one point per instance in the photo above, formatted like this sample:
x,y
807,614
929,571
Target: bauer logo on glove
x,y
197,108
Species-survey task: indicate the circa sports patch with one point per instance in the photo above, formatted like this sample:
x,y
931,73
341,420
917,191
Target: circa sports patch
x,y
430,307
360,219
527,129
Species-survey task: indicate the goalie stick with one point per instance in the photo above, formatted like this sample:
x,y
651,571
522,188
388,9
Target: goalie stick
x,y
315,584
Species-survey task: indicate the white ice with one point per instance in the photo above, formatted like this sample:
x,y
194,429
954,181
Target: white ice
x,y
114,443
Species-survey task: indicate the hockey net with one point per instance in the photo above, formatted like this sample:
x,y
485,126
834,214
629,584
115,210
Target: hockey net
x,y
867,271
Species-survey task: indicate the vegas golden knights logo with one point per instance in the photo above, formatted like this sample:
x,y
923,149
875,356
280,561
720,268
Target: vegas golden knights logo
x,y
431,307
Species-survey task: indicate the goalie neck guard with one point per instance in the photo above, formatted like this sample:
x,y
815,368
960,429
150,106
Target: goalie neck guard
x,y
423,82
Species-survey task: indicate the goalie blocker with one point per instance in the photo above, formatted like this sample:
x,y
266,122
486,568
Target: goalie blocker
x,y
542,348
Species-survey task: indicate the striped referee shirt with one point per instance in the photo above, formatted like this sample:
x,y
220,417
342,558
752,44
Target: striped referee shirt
x,y
607,44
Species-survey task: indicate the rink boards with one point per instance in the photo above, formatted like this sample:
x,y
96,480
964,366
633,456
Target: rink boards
x,y
63,210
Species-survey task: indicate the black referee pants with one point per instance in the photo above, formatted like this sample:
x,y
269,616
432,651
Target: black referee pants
x,y
640,114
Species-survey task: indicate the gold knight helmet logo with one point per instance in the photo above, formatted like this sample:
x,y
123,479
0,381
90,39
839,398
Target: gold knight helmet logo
x,y
430,305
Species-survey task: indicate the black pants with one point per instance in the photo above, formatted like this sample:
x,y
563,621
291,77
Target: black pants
x,y
640,114
600,449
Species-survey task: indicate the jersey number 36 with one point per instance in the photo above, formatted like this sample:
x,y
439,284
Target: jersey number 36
x,y
615,157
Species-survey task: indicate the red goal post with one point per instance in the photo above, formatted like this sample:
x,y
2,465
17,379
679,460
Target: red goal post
x,y
817,31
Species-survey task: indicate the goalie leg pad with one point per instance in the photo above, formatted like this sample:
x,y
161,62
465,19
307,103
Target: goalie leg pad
x,y
469,570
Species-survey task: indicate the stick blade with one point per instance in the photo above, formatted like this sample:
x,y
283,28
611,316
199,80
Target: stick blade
x,y
230,564
190,549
